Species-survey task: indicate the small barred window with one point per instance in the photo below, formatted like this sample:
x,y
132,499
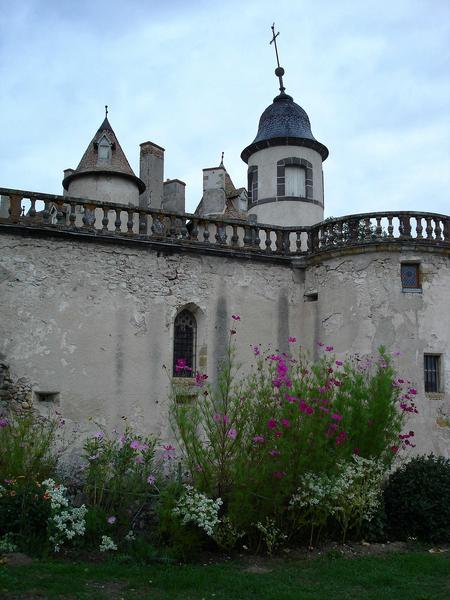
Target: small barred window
x,y
432,365
184,344
410,276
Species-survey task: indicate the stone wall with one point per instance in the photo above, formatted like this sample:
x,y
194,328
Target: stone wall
x,y
91,324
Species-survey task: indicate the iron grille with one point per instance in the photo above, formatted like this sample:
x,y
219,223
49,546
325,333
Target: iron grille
x,y
431,372
410,276
184,344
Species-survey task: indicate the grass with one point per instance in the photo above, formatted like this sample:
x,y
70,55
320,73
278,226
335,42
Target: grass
x,y
411,575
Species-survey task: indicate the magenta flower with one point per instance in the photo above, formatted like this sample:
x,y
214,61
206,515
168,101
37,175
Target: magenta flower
x,y
290,399
337,383
256,351
139,459
111,520
135,444
394,449
62,422
4,422
412,391
181,365
200,378
274,453
356,451
329,349
226,419
285,422
236,317
292,340
232,433
151,479
258,439
321,344
339,363
217,418
336,417
99,435
271,424
278,474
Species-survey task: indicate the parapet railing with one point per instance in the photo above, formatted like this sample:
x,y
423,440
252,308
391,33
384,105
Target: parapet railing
x,y
107,219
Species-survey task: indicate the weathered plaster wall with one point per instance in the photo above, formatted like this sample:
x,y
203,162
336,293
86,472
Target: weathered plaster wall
x,y
105,188
361,306
94,322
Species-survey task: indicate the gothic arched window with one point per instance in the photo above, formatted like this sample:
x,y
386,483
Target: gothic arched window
x,y
104,150
184,344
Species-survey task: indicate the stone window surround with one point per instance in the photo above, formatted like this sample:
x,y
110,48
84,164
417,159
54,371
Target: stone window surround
x,y
281,175
439,382
252,178
411,289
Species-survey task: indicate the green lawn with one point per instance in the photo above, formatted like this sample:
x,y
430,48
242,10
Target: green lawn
x,y
408,576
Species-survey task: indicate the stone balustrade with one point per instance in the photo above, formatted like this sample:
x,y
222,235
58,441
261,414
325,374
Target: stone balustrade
x,y
110,220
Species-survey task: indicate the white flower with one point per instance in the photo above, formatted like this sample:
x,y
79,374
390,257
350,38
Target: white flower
x,y
197,508
107,544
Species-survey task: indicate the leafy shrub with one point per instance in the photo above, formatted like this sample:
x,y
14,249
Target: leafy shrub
x,y
250,440
417,500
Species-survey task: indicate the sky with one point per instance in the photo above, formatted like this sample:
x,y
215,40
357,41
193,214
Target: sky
x,y
195,76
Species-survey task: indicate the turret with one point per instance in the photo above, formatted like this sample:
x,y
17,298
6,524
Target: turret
x,y
285,179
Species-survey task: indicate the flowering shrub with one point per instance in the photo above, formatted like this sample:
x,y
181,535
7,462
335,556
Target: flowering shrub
x,y
64,522
253,440
194,507
120,473
107,544
271,534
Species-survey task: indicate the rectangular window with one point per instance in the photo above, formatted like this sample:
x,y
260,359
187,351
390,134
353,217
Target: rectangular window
x,y
432,375
410,274
295,181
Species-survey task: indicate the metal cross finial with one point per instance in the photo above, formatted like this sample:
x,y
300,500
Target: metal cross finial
x,y
106,111
279,71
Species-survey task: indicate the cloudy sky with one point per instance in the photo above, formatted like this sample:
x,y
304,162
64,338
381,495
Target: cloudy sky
x,y
194,77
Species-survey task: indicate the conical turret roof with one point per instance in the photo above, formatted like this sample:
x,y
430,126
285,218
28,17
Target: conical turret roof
x,y
116,165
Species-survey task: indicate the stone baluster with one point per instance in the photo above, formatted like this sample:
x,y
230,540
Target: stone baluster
x,y
88,216
437,229
32,211
15,208
172,233
429,228
390,227
256,238
405,226
234,238
143,225
221,234
130,221
378,228
367,229
105,220
247,236
205,232
268,240
419,227
298,240
60,217
118,221
194,230
73,214
447,230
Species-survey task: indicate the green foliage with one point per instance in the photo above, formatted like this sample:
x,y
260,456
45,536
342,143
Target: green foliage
x,y
28,447
120,475
417,500
250,440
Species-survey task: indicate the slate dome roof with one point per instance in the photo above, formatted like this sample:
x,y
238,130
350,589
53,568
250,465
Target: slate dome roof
x,y
284,123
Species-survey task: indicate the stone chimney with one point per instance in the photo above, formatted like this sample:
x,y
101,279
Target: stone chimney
x,y
173,196
152,174
214,198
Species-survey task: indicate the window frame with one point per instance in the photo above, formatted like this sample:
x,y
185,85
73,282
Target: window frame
x,y
411,288
438,379
192,353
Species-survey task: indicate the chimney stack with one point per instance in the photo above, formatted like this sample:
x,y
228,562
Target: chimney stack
x,y
214,198
152,174
173,196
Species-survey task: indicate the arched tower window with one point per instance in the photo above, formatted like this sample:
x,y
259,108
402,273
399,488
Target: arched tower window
x,y
252,184
184,344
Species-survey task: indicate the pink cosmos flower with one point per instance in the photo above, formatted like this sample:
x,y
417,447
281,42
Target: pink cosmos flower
x,y
139,459
232,433
356,451
4,422
258,439
337,383
99,435
394,449
256,351
340,439
271,424
290,399
62,422
151,479
278,434
329,349
236,317
412,391
217,418
226,419
320,344
285,422
111,520
200,378
135,444
292,340
274,453
339,363
336,417
181,365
